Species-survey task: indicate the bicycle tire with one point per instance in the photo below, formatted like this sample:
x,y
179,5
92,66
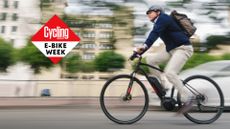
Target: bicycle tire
x,y
221,102
113,118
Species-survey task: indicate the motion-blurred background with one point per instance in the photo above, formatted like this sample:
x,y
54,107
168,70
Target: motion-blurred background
x,y
109,30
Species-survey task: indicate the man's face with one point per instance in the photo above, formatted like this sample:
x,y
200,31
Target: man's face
x,y
152,15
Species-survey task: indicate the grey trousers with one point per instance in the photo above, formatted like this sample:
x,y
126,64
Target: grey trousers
x,y
175,59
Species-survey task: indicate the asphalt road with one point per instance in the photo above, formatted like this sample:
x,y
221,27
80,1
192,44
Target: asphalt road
x,y
85,118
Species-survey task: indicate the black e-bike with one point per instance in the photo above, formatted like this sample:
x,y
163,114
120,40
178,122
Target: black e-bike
x,y
124,98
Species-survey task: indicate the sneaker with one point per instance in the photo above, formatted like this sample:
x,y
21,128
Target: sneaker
x,y
185,107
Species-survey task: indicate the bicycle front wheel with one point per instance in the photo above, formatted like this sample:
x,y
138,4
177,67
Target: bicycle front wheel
x,y
121,107
208,102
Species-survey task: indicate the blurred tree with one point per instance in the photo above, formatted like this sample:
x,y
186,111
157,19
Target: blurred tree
x,y
108,60
46,1
34,57
88,66
199,58
213,40
6,55
72,63
186,1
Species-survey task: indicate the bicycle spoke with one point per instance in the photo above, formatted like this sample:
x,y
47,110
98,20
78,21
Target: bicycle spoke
x,y
191,89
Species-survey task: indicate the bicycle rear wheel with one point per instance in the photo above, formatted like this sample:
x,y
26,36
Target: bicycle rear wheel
x,y
208,102
120,107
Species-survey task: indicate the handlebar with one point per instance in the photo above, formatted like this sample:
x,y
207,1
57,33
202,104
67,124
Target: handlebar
x,y
137,55
134,55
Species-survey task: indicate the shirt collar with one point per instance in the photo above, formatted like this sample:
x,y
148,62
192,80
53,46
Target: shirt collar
x,y
155,20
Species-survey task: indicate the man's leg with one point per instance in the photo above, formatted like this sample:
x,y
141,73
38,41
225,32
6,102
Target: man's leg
x,y
179,57
155,60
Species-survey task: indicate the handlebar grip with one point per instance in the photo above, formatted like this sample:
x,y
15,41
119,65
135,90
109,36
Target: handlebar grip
x,y
134,55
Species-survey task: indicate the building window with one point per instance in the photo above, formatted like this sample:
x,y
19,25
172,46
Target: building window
x,y
104,25
88,56
88,46
15,17
3,16
14,29
105,35
3,29
6,4
89,35
106,46
15,4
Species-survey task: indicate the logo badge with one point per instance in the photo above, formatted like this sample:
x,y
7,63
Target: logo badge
x,y
55,39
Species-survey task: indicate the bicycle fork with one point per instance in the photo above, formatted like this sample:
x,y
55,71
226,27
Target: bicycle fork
x,y
128,95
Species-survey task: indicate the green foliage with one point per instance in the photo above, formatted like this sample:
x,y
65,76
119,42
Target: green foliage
x,y
226,56
6,55
199,58
104,62
186,1
75,64
88,66
109,60
31,55
213,40
45,1
162,66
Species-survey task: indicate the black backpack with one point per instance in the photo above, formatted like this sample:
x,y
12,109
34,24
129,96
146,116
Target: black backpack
x,y
184,22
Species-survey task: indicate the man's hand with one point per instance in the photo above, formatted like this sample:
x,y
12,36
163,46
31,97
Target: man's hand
x,y
140,49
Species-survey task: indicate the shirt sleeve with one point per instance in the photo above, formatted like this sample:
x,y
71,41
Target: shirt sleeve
x,y
158,28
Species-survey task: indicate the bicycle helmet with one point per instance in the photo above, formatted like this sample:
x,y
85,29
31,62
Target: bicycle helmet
x,y
155,8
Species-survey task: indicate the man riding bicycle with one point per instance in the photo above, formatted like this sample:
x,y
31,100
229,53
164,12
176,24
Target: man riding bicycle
x,y
178,51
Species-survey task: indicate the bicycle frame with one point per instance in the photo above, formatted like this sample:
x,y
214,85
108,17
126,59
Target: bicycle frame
x,y
138,68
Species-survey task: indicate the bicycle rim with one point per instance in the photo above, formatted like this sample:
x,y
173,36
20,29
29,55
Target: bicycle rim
x,y
116,108
209,101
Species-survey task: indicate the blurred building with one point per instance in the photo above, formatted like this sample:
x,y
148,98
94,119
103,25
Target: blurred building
x,y
93,25
19,19
100,28
49,8
96,33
